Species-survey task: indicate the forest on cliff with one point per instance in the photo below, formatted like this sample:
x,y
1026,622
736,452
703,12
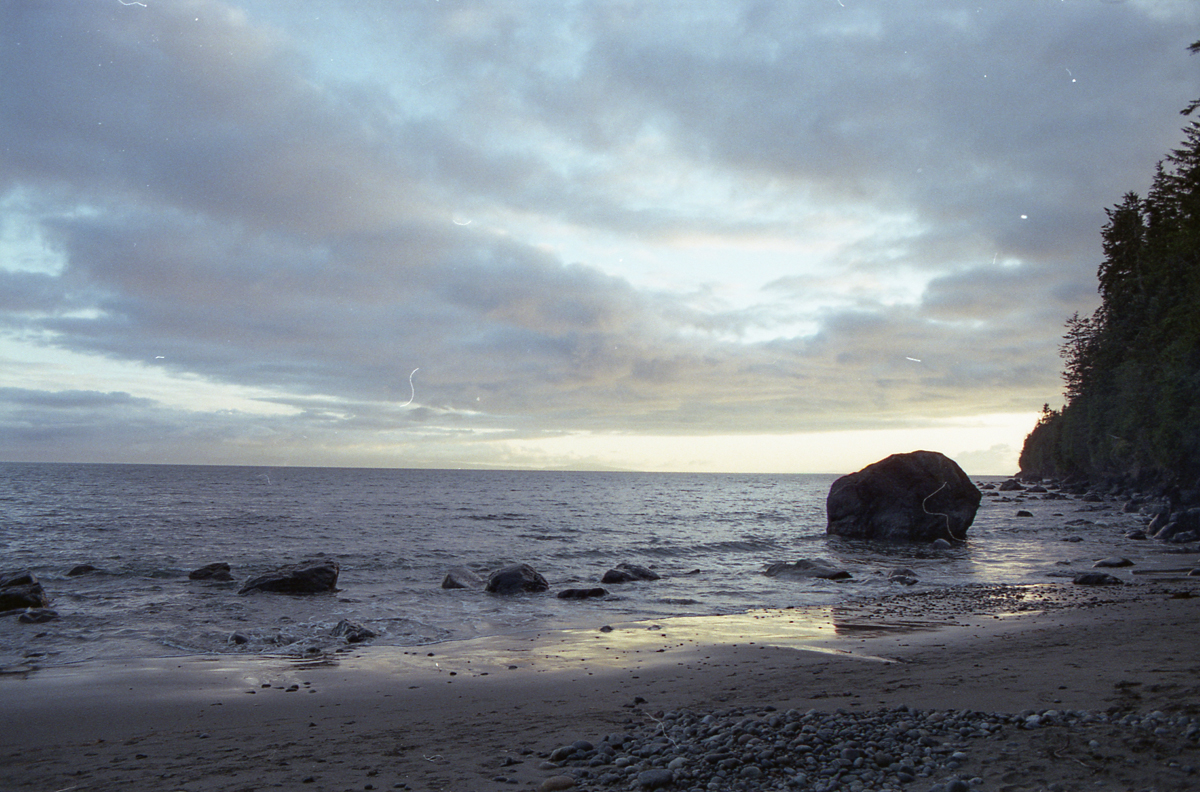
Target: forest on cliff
x,y
1132,369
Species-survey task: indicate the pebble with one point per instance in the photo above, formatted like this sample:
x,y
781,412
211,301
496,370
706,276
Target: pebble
x,y
759,749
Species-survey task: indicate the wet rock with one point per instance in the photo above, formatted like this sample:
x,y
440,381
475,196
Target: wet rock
x,y
311,577
556,783
922,496
1096,579
216,571
462,578
80,569
516,579
583,593
903,576
1112,563
37,616
1012,485
1024,513
352,632
806,568
1138,535
22,590
628,573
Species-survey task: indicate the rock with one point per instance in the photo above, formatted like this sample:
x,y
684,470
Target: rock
x,y
1012,485
352,632
806,568
515,579
17,579
1037,489
22,590
309,577
80,569
556,783
1024,513
216,571
921,496
628,573
462,578
1137,535
655,779
1113,562
574,593
902,576
37,616
1194,572
1169,531
941,544
1096,579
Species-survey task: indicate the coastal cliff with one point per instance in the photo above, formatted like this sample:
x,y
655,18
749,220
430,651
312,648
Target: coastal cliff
x,y
1132,369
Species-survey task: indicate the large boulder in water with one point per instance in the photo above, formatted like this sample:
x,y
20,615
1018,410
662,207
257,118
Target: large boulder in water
x,y
308,577
919,497
516,579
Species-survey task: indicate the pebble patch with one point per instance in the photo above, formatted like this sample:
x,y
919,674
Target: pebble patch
x,y
756,750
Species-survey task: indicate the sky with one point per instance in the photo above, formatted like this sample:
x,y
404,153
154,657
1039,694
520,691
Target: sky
x,y
759,236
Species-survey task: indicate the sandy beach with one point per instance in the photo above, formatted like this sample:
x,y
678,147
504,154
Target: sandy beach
x,y
461,716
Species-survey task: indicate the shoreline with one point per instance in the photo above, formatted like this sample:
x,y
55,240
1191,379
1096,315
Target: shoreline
x,y
450,716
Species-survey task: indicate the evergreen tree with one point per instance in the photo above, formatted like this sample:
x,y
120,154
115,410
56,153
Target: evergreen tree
x,y
1132,369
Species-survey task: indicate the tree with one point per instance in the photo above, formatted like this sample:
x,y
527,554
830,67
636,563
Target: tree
x,y
1132,369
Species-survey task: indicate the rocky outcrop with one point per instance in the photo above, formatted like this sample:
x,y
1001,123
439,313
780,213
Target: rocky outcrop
x,y
22,590
217,571
462,578
516,579
309,577
1178,527
918,497
628,573
807,568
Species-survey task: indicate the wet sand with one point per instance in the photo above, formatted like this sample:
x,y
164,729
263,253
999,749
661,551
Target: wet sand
x,y
456,716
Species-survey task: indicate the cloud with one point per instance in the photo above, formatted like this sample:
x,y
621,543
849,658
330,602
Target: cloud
x,y
870,216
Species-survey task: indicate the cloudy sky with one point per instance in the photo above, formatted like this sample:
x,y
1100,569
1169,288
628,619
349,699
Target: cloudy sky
x,y
729,235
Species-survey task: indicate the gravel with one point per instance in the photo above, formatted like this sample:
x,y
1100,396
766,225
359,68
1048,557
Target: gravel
x,y
753,750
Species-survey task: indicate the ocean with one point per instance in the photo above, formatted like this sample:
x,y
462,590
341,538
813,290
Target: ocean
x,y
395,534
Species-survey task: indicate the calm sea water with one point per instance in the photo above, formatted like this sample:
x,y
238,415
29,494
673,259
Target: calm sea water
x,y
395,534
